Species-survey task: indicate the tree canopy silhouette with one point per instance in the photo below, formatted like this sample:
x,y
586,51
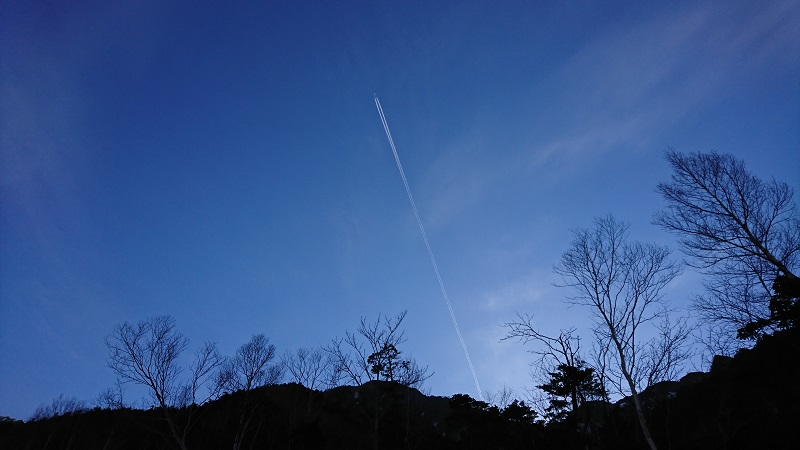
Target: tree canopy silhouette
x,y
147,353
569,387
622,284
742,231
372,353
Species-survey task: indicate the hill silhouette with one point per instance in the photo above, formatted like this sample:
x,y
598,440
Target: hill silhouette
x,y
746,402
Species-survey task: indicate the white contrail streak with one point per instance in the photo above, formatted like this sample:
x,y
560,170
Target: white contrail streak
x,y
428,246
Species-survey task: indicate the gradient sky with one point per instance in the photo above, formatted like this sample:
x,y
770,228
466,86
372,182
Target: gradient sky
x,y
226,165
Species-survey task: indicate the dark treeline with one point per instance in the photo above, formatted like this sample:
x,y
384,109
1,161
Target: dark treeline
x,y
749,401
361,391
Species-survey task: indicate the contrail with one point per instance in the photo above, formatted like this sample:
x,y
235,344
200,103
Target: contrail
x,y
427,245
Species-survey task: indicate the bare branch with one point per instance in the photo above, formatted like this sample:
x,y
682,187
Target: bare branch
x,y
207,360
373,352
60,406
146,354
250,367
622,283
741,231
562,349
311,368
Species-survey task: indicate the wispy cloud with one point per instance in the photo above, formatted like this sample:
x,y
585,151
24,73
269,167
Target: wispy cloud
x,y
633,83
624,91
458,179
521,293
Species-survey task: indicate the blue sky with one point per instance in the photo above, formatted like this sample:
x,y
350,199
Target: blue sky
x,y
226,165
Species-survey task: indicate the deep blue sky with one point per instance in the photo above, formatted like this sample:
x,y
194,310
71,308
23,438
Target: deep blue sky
x,y
226,165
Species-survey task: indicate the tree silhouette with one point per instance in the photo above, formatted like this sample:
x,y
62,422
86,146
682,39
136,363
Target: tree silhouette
x,y
249,369
372,353
147,353
622,283
740,230
58,407
563,350
313,368
569,387
385,362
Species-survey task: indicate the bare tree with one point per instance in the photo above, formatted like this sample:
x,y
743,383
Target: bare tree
x,y
313,368
372,353
668,352
147,354
113,397
206,360
249,369
310,367
715,340
622,283
562,349
558,355
501,398
58,407
742,231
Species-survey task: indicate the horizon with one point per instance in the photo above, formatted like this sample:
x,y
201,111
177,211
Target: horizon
x,y
226,165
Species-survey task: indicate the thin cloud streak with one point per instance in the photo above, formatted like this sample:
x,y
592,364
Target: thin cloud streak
x,y
633,84
625,91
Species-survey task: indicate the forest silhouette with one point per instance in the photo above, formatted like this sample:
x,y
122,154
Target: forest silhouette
x,y
628,390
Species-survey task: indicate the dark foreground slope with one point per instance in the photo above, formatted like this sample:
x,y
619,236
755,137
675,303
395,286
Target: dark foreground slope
x,y
379,415
747,402
750,401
